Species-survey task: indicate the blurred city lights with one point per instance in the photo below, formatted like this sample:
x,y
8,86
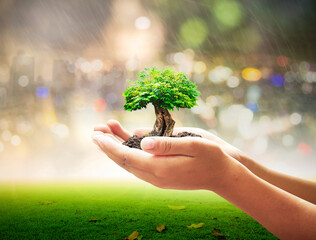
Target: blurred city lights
x,y
61,130
6,135
23,81
199,67
194,32
290,76
277,80
288,140
79,61
295,118
304,149
86,67
310,77
304,66
251,74
220,74
233,82
252,106
307,88
99,105
179,57
24,127
42,92
245,116
253,93
282,61
97,65
228,13
142,23
214,101
15,140
81,69
235,115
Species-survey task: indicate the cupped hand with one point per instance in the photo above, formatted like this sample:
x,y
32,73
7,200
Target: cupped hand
x,y
173,163
114,128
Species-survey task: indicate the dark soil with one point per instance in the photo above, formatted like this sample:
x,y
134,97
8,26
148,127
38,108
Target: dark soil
x,y
134,141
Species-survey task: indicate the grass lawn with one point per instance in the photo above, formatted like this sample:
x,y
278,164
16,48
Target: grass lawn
x,y
62,210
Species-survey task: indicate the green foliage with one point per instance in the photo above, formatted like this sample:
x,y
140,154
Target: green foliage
x,y
163,88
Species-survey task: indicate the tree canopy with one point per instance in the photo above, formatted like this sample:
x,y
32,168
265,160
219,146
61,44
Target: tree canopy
x,y
163,88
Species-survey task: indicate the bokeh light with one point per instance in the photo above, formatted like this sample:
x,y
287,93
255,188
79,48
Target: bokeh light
x,y
288,140
295,118
86,67
23,81
42,92
304,149
99,105
252,106
15,140
97,65
253,93
251,74
6,135
194,32
277,80
199,67
61,130
142,23
282,61
233,82
253,62
228,13
220,74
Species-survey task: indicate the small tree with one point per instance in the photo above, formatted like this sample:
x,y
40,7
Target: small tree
x,y
166,90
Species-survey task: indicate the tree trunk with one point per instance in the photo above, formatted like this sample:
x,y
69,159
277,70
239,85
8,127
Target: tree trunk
x,y
164,123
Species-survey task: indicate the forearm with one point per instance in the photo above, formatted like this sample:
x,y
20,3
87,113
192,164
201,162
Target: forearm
x,y
283,214
302,188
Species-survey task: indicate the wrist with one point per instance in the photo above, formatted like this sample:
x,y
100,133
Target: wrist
x,y
231,174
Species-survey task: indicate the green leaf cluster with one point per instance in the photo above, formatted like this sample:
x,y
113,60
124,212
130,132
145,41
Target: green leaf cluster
x,y
163,88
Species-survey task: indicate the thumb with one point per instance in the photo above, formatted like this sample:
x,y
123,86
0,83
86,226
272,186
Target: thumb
x,y
170,145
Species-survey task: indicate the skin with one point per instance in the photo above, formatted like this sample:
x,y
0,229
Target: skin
x,y
273,199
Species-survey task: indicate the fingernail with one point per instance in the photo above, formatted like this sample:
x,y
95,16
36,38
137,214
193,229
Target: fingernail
x,y
148,143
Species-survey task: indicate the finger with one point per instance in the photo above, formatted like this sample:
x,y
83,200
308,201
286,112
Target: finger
x,y
118,130
123,155
102,128
95,133
142,131
188,146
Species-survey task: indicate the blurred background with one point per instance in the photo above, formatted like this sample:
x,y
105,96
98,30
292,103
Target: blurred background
x,y
64,66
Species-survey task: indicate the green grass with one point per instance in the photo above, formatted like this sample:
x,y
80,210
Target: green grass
x,y
122,209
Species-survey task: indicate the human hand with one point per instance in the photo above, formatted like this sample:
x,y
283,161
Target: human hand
x,y
114,128
176,163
